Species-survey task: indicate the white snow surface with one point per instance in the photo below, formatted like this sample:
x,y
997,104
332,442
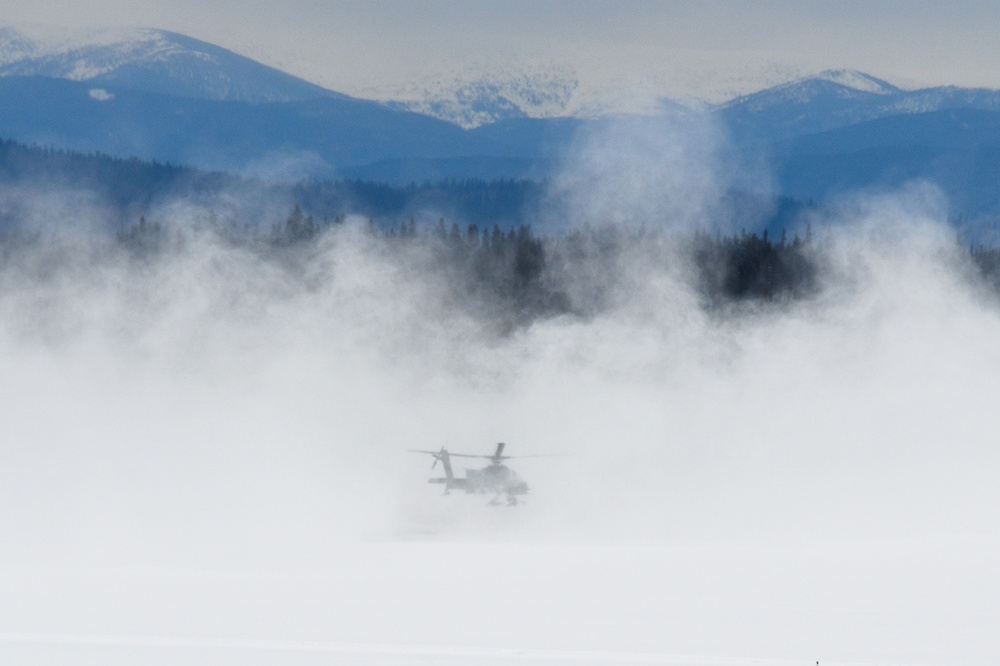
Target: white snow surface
x,y
440,602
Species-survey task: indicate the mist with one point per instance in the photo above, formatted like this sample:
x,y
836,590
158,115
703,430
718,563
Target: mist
x,y
213,408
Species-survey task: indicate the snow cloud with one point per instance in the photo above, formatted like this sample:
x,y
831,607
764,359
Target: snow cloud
x,y
202,424
214,402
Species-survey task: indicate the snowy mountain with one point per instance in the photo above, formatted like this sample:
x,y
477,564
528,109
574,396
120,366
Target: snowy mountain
x,y
151,60
161,96
839,98
324,134
474,100
857,81
830,99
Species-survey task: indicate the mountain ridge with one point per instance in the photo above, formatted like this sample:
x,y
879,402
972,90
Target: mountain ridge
x,y
170,63
164,97
153,60
838,98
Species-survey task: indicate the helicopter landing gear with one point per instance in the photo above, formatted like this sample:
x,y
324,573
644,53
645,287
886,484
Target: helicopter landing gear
x,y
498,501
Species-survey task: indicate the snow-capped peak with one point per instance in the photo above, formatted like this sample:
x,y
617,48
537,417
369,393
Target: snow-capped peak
x,y
71,53
149,59
859,81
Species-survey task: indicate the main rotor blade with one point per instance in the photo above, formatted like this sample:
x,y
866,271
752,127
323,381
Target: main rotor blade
x,y
437,455
540,455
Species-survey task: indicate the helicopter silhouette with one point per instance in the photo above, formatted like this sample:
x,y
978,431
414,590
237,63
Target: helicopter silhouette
x,y
496,478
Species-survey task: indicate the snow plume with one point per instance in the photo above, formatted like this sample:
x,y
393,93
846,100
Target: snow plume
x,y
769,480
671,171
221,391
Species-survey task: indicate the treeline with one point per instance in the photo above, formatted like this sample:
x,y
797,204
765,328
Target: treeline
x,y
505,202
128,184
517,275
500,259
132,188
535,274
516,262
987,261
751,266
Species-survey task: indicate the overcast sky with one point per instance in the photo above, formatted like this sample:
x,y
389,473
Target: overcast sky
x,y
712,48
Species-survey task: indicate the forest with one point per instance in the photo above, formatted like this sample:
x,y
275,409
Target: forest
x,y
131,188
479,235
519,275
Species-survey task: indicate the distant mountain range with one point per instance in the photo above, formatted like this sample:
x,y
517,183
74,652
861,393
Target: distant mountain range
x,y
835,99
154,61
165,97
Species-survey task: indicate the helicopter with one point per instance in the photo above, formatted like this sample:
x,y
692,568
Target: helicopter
x,y
496,478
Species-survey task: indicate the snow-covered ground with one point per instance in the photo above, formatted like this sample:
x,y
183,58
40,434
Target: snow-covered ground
x,y
919,601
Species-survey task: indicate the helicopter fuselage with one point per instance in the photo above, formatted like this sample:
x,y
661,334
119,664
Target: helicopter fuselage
x,y
495,479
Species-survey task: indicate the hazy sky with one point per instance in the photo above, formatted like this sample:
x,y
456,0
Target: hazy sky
x,y
711,48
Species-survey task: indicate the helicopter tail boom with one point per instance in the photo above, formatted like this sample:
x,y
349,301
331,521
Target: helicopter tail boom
x,y
452,484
